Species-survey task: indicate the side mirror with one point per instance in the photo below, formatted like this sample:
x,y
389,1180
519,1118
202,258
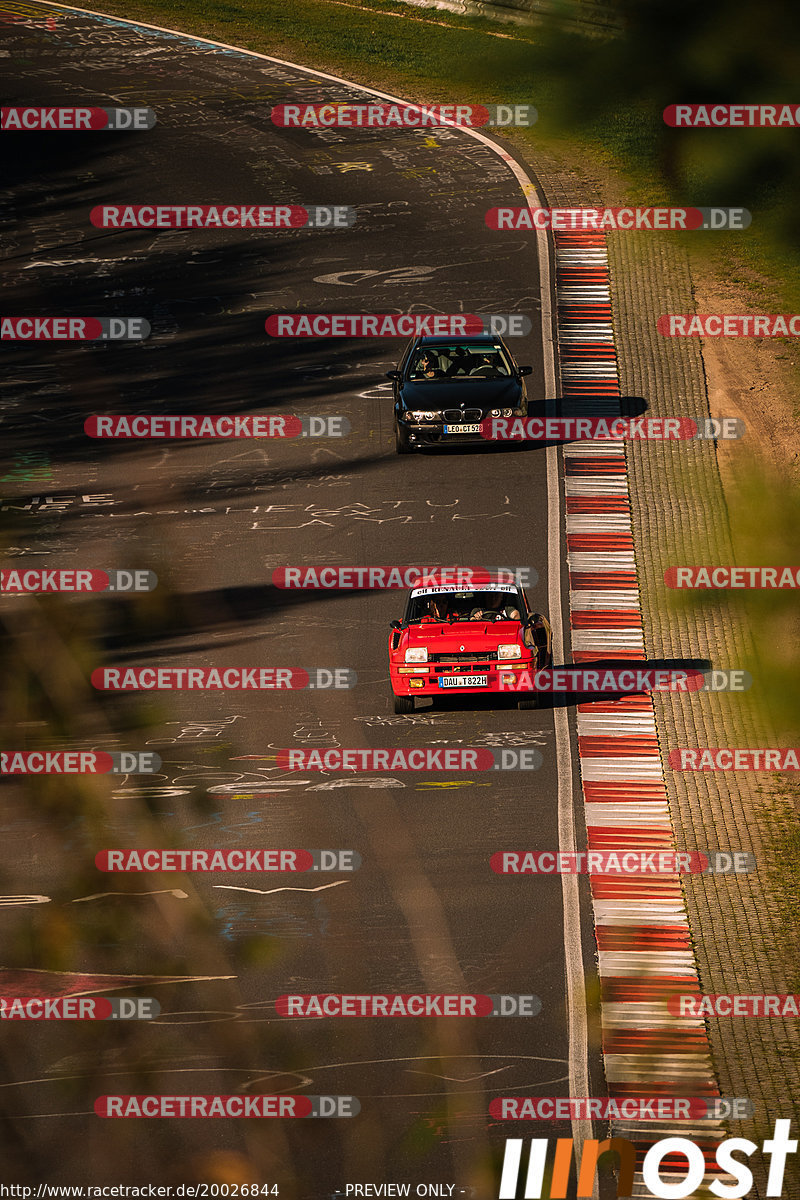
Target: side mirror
x,y
395,625
524,371
398,376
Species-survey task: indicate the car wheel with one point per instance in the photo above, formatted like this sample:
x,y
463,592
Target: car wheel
x,y
403,704
401,440
528,702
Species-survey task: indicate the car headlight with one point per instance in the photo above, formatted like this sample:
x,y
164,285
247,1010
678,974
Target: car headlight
x,y
509,650
504,412
417,654
424,416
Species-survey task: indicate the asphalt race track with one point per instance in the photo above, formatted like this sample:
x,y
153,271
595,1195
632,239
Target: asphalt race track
x,y
215,520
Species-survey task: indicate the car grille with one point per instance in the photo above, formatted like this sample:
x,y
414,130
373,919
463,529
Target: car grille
x,y
466,416
487,656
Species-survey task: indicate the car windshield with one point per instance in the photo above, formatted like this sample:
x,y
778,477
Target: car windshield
x,y
476,605
461,360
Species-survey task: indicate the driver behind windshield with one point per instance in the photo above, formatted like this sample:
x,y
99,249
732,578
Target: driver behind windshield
x,y
494,608
488,366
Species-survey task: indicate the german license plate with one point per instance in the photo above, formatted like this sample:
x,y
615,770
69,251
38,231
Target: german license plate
x,y
449,681
462,428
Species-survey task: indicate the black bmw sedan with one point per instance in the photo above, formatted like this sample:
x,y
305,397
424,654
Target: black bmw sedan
x,y
445,387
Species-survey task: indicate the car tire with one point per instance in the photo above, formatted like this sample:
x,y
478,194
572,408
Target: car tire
x,y
528,702
401,445
403,704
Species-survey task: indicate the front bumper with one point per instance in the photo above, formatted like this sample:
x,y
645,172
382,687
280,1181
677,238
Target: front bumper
x,y
426,434
434,435
425,679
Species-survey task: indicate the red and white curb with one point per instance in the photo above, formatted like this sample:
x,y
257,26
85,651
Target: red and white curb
x,y
643,938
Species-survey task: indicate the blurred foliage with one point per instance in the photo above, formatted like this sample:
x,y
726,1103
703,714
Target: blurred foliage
x,y
615,91
87,924
764,520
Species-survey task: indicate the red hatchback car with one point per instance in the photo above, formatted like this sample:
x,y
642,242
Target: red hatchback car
x,y
478,641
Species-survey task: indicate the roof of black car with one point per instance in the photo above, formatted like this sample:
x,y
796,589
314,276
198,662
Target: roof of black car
x,y
490,338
